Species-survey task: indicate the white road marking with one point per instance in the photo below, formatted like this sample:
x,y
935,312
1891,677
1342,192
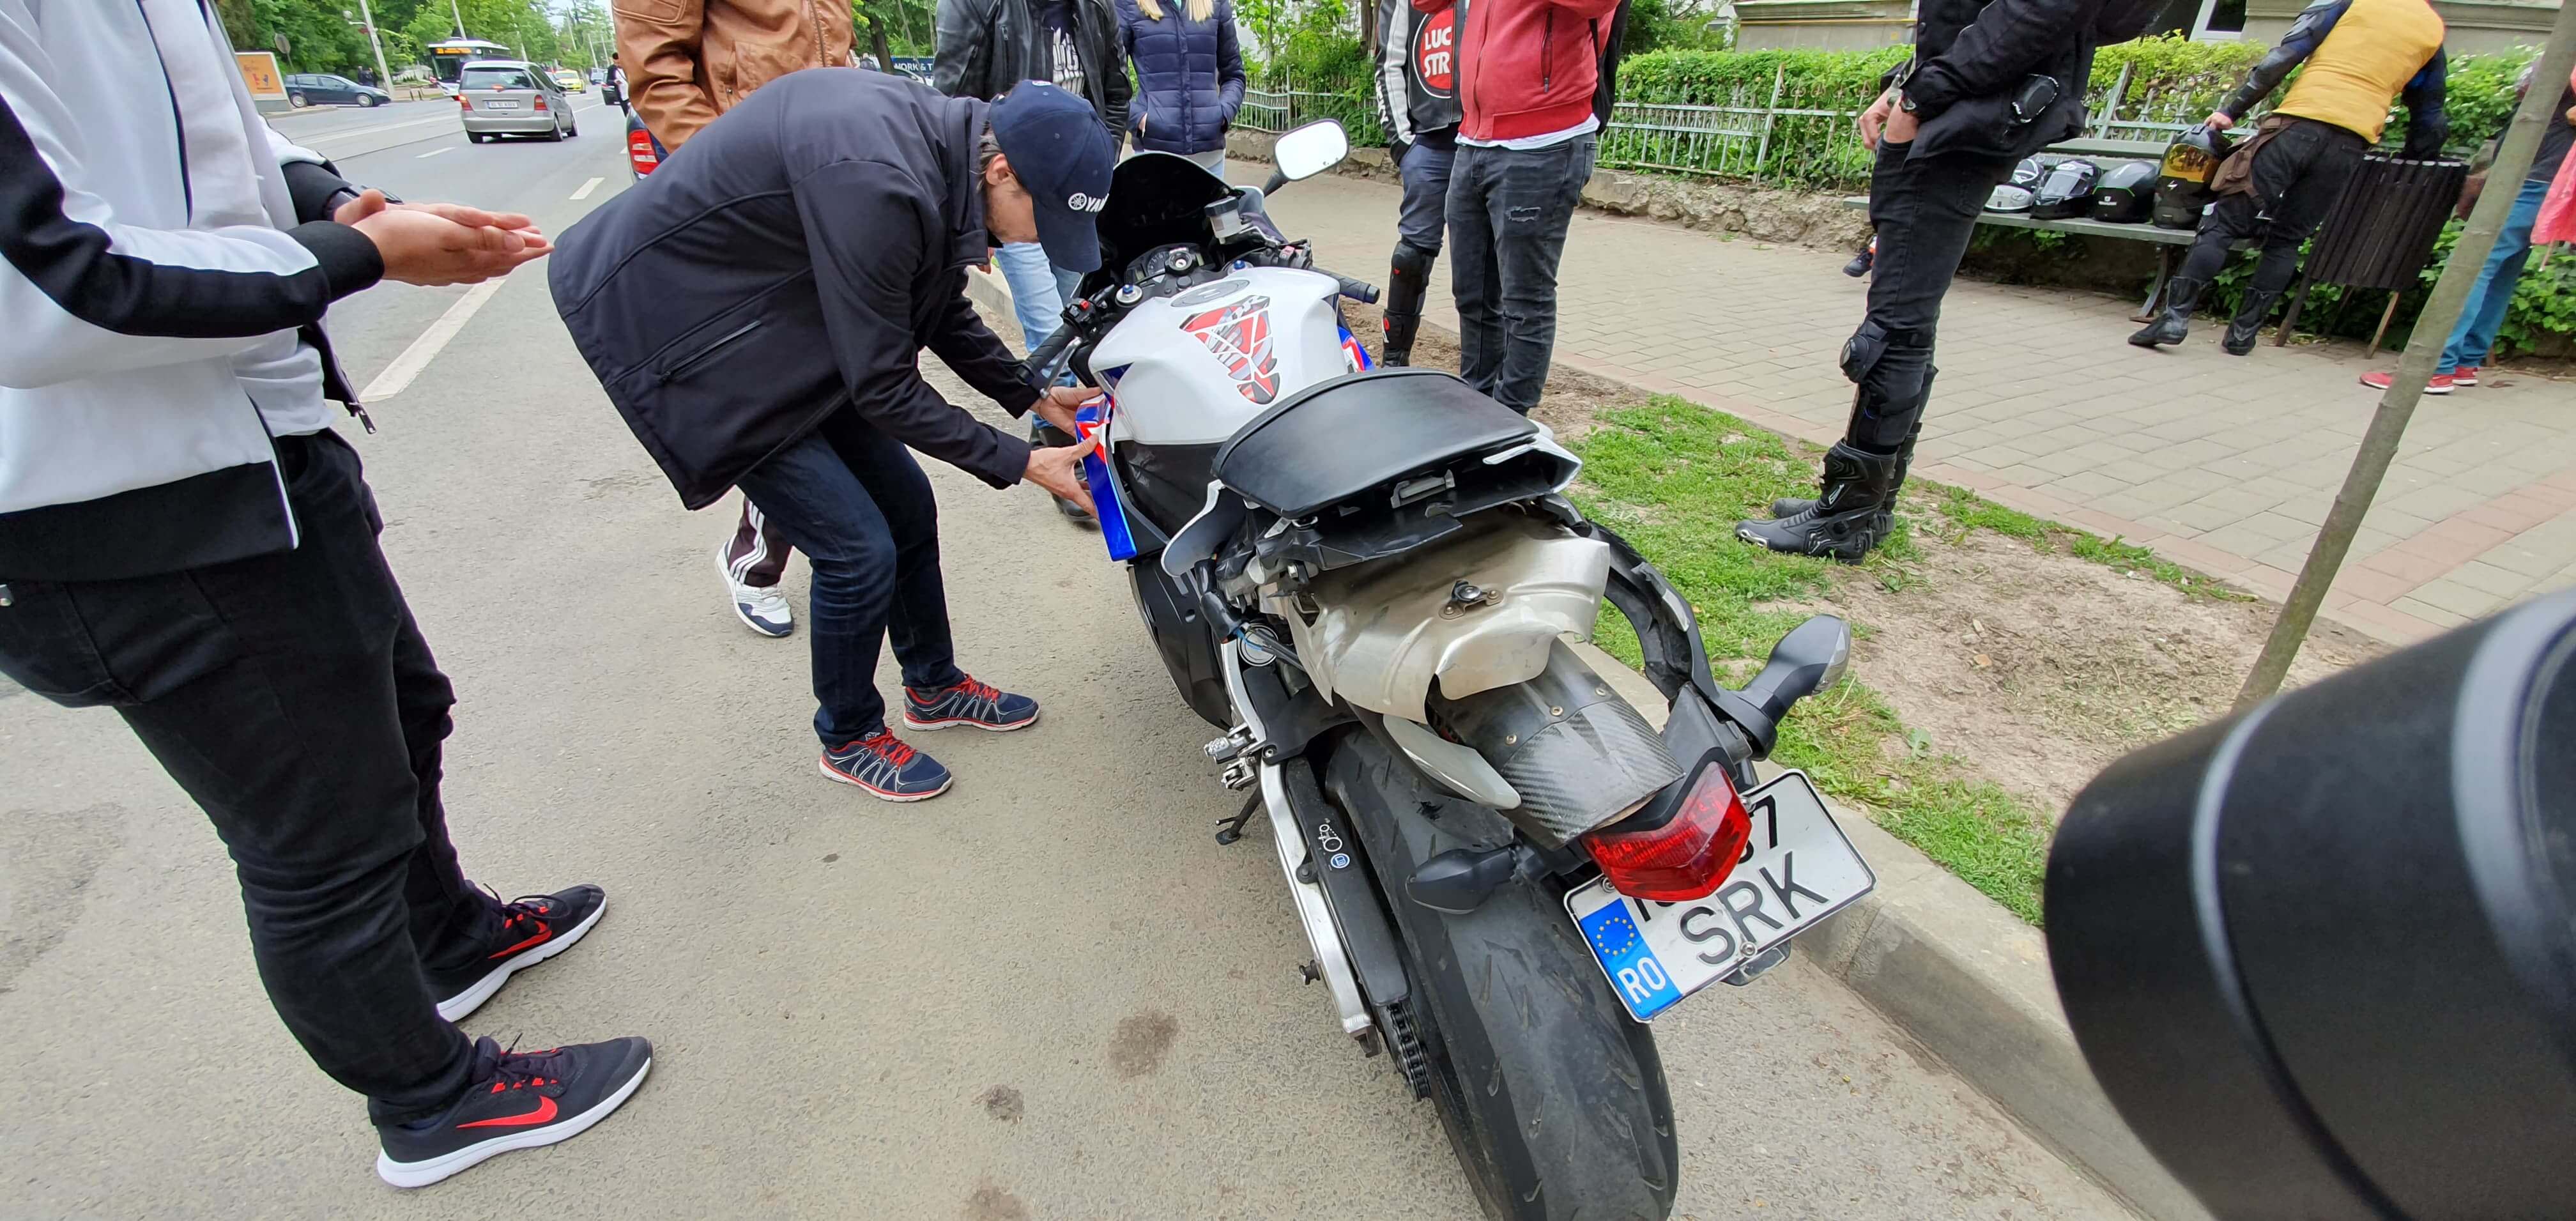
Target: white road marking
x,y
587,188
436,151
369,131
398,376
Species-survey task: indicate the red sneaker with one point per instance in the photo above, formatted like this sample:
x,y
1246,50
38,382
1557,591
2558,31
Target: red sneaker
x,y
2440,384
2465,375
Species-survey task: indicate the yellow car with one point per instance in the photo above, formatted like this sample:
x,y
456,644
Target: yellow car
x,y
571,81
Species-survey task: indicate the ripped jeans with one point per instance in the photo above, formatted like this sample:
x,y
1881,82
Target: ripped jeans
x,y
1508,211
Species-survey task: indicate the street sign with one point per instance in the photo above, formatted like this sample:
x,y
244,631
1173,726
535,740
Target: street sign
x,y
267,85
259,71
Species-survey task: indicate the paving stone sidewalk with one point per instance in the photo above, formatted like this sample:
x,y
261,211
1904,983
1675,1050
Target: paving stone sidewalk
x,y
2227,465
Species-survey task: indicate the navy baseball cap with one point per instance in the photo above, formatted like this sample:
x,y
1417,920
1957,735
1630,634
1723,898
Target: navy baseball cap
x,y
1063,157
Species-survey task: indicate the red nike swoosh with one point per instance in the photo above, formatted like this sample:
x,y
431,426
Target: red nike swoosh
x,y
545,1111
543,932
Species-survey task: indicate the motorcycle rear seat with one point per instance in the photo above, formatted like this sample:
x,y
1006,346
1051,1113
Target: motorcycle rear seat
x,y
1337,439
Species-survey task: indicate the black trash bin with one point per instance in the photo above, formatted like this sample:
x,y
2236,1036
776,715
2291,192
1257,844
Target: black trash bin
x,y
2380,233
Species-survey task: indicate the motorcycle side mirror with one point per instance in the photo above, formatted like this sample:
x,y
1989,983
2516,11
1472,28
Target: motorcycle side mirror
x,y
1307,151
1809,659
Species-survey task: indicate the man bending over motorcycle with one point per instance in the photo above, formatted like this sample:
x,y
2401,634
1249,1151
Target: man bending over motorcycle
x,y
755,311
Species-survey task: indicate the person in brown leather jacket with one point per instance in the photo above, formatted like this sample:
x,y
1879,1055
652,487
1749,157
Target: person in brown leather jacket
x,y
686,62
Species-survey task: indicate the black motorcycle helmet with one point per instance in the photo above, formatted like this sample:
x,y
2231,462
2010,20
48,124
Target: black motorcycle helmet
x,y
2183,179
2029,170
2066,191
2126,193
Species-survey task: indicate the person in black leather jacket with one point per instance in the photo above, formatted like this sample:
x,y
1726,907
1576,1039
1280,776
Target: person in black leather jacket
x,y
1989,84
987,46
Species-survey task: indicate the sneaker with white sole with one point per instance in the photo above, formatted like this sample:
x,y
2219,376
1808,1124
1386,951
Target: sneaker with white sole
x,y
533,929
969,702
885,767
760,607
517,1100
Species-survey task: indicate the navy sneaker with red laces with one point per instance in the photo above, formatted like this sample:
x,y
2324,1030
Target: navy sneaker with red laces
x,y
887,768
518,1100
979,704
533,929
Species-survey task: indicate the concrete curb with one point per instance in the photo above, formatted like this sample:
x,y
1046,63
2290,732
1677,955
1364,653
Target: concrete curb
x,y
1951,968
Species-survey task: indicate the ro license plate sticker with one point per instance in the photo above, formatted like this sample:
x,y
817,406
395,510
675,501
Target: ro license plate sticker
x,y
1796,870
501,104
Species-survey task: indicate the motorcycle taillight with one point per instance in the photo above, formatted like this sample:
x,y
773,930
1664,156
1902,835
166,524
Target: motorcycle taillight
x,y
1687,857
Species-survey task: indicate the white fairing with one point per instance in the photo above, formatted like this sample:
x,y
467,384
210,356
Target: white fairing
x,y
1260,335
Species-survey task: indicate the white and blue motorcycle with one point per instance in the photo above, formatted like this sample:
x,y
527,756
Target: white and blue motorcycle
x,y
1370,580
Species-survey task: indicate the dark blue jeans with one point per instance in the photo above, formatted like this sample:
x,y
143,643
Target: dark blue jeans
x,y
856,503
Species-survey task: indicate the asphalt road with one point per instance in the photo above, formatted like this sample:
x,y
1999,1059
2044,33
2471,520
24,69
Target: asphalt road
x,y
1049,993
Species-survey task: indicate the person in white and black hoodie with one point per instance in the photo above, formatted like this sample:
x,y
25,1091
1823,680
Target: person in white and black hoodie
x,y
184,539
1416,65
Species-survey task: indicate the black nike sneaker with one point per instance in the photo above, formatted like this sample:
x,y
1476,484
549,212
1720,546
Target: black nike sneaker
x,y
533,929
519,1100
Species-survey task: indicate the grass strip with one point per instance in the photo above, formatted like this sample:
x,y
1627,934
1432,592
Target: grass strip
x,y
1674,477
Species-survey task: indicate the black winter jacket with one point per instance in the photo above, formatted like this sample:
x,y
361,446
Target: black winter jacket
x,y
1972,56
1189,72
795,259
987,46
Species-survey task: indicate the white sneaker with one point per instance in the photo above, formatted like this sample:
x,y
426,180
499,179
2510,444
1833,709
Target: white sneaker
x,y
762,609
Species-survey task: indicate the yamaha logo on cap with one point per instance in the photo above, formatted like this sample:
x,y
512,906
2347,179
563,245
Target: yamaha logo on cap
x,y
1080,202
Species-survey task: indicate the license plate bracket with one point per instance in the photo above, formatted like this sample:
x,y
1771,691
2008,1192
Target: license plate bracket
x,y
1797,869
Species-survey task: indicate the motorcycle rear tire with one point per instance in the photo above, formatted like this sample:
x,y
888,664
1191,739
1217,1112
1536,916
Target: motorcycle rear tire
x,y
1554,1100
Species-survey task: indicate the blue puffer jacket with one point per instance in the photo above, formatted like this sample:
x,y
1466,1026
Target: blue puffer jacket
x,y
1189,76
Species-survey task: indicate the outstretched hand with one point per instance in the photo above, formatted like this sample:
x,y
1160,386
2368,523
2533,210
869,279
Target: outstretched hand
x,y
429,244
1058,469
1058,404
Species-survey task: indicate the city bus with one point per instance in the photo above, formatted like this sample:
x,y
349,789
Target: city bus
x,y
447,59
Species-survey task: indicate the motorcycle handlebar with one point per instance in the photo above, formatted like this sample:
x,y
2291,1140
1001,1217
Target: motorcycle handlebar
x,y
1039,368
1358,290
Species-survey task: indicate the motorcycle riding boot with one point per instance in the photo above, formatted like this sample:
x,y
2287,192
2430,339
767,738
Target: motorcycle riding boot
x,y
2173,323
2247,325
1791,506
1408,284
1846,520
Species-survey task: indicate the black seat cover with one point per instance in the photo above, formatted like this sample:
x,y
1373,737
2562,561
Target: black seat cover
x,y
1345,436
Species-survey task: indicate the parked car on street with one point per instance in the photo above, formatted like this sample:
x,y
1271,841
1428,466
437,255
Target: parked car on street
x,y
324,89
508,97
570,80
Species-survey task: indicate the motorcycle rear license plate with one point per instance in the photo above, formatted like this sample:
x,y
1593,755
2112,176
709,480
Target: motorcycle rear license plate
x,y
1796,870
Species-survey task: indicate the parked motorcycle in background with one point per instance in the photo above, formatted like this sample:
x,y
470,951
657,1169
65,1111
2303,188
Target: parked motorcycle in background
x,y
1370,580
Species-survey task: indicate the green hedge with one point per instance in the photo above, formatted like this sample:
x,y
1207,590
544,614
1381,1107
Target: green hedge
x,y
2171,79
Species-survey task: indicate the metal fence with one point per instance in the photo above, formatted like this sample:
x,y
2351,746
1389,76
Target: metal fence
x,y
1277,102
1775,135
1772,133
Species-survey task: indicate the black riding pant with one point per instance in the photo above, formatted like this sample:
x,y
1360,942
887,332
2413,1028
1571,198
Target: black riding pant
x,y
2298,175
1925,211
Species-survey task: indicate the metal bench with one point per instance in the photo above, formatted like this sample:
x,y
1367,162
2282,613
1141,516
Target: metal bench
x,y
2166,240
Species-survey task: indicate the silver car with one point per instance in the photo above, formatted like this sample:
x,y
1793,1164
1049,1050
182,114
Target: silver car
x,y
508,97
